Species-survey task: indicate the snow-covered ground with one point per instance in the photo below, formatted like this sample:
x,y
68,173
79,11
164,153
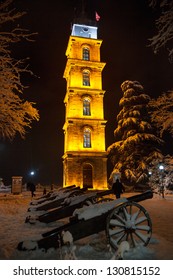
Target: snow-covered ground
x,y
13,229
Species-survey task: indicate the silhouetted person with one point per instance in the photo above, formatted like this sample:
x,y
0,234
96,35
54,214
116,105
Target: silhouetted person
x,y
31,187
44,191
118,188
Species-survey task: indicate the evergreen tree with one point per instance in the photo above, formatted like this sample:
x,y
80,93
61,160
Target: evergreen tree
x,y
136,145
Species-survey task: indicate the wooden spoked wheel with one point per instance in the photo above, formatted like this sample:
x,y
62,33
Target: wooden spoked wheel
x,y
129,222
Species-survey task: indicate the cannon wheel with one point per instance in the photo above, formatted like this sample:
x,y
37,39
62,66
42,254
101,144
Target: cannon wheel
x,y
129,222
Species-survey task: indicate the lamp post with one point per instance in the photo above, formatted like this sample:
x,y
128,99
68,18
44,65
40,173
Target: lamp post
x,y
161,168
32,173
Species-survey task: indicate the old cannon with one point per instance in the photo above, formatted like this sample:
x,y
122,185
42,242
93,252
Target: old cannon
x,y
51,195
122,219
55,199
68,205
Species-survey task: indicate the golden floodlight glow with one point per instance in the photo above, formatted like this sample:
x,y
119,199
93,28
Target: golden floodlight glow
x,y
85,157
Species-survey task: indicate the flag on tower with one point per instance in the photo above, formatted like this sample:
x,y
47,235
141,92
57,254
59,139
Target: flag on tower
x,y
97,17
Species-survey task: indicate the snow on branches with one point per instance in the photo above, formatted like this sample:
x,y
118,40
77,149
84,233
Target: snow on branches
x,y
15,113
164,25
135,141
161,178
162,112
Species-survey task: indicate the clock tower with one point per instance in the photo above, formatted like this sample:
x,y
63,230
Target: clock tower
x,y
85,157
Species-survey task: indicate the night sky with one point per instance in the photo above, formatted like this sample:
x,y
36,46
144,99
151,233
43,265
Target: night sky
x,y
125,27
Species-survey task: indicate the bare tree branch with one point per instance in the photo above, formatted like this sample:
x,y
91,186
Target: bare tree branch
x,y
162,112
16,114
164,25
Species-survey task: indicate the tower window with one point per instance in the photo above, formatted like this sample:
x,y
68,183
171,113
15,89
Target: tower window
x,y
86,78
87,138
86,107
86,54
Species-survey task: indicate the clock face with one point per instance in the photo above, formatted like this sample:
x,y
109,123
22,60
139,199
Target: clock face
x,y
85,29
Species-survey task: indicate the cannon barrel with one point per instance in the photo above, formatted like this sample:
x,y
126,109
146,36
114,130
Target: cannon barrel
x,y
139,197
80,228
103,193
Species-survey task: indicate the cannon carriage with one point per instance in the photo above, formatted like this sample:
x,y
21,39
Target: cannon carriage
x,y
55,199
122,219
66,205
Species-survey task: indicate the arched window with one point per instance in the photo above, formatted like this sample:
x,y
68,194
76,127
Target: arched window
x,y
86,78
87,138
86,107
86,54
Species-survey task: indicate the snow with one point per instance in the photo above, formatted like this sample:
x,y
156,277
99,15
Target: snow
x,y
91,211
30,245
4,189
13,211
53,197
67,237
124,247
74,200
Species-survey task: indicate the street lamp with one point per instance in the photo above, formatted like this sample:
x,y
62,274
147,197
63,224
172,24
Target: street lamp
x,y
161,168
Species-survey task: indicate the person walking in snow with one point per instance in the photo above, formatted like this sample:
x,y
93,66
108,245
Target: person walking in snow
x,y
31,187
118,188
44,191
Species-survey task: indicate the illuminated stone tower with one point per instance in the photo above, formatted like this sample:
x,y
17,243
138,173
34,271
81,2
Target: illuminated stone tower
x,y
85,158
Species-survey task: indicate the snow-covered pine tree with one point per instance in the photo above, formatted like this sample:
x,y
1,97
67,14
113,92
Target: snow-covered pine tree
x,y
136,145
15,114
